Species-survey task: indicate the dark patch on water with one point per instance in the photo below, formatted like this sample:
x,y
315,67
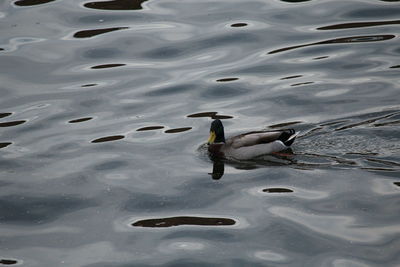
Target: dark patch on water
x,y
212,115
5,144
299,84
291,77
178,130
31,2
295,1
8,262
5,114
352,39
89,85
150,128
359,25
397,183
108,139
116,5
80,120
11,123
322,57
277,190
235,25
227,79
395,67
202,115
183,220
106,66
91,33
222,117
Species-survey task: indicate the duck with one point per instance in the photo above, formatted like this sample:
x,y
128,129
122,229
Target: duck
x,y
248,145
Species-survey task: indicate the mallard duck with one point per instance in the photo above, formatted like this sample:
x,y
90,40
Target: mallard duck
x,y
248,145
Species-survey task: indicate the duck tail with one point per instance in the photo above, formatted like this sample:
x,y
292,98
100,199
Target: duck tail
x,y
288,136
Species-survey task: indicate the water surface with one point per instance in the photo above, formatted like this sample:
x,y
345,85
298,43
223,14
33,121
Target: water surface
x,y
105,108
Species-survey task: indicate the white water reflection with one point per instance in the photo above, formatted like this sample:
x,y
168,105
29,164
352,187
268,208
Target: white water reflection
x,y
338,226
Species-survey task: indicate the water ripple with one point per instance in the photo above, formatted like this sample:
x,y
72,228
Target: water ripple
x,y
343,227
351,25
352,39
106,107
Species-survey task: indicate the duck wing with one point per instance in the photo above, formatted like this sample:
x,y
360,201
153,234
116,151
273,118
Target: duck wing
x,y
261,137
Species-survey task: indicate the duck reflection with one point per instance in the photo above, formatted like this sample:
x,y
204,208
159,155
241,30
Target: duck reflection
x,y
218,168
283,158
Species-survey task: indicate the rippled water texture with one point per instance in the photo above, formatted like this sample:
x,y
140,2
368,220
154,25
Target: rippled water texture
x,y
105,108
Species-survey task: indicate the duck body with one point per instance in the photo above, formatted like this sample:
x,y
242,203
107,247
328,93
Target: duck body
x,y
248,145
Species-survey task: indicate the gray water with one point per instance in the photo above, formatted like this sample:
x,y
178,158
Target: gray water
x,y
105,108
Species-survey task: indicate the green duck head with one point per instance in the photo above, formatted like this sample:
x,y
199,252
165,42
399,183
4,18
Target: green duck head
x,y
216,132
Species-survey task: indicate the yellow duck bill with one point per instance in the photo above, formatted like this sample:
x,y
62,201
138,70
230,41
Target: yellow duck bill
x,y
212,137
